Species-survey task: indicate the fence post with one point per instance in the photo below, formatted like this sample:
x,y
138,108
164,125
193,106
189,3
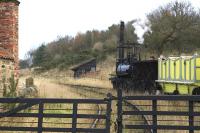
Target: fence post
x,y
108,112
154,109
74,117
40,117
191,117
119,106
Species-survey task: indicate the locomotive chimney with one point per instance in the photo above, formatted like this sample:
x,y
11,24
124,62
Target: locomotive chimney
x,y
9,30
121,42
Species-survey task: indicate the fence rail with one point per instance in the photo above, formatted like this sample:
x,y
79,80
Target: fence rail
x,y
54,115
164,112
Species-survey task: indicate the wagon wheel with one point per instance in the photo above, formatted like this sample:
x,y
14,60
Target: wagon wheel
x,y
176,92
159,90
150,87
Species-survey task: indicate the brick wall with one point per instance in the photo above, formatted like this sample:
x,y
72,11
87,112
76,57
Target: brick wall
x,y
9,30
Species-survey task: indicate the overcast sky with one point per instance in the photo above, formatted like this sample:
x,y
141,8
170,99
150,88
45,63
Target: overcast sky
x,y
43,20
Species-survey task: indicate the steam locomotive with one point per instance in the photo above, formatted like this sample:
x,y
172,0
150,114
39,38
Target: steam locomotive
x,y
172,75
132,72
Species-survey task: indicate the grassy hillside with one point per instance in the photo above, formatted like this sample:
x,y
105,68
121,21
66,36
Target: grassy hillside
x,y
100,79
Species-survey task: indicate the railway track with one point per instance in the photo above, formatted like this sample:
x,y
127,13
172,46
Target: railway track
x,y
92,92
99,112
99,108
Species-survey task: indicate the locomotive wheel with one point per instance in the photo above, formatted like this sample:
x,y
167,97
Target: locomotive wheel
x,y
153,88
151,91
159,92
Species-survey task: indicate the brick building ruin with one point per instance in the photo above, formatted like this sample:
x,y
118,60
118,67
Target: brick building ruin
x,y
8,38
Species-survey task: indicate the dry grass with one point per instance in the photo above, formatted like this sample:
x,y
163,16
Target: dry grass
x,y
48,89
101,80
97,83
51,90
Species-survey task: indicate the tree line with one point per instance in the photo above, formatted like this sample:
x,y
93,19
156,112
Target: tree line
x,y
67,51
171,29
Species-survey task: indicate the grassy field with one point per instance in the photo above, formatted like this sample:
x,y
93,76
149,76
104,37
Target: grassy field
x,y
48,89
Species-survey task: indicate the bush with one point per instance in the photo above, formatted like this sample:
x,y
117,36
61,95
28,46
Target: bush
x,y
10,88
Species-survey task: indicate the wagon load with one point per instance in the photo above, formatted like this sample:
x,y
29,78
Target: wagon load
x,y
179,75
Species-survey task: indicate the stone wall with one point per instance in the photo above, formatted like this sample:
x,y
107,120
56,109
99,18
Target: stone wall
x,y
6,71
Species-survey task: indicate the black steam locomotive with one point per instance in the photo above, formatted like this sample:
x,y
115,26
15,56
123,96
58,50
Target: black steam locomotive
x,y
131,72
